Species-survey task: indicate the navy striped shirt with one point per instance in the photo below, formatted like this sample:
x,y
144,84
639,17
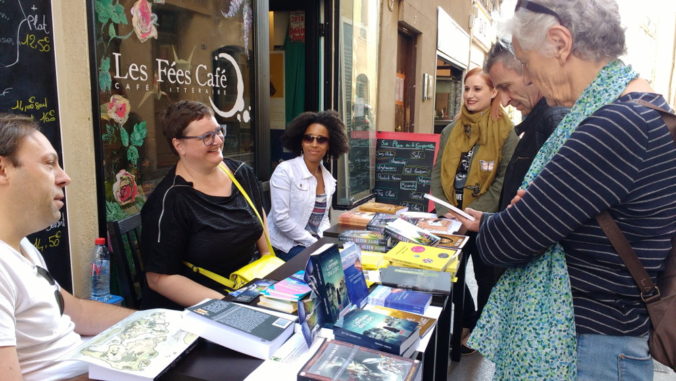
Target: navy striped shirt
x,y
623,158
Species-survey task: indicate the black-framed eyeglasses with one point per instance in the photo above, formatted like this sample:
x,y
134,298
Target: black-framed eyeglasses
x,y
208,138
537,8
57,293
313,138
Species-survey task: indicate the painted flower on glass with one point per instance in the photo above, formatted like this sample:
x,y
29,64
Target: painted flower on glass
x,y
142,19
118,109
125,189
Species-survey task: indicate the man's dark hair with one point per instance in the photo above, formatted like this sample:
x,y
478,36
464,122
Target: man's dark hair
x,y
293,136
13,128
178,116
501,51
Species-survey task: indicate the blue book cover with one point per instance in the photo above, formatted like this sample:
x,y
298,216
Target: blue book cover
x,y
398,298
324,274
357,290
378,331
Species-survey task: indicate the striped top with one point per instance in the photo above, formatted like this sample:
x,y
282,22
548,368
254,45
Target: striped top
x,y
623,158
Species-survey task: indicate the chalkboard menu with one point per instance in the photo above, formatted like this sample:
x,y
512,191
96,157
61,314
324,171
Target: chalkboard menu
x,y
404,168
28,86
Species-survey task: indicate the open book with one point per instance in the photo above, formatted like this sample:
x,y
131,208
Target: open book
x,y
138,348
453,209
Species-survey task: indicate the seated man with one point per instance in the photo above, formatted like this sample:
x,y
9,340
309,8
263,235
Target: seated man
x,y
39,321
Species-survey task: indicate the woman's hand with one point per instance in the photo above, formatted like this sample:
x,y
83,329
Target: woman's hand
x,y
467,225
519,194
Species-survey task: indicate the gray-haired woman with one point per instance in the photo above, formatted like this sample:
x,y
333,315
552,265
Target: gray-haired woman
x,y
567,308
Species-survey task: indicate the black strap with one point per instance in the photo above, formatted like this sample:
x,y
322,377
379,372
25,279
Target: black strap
x,y
649,291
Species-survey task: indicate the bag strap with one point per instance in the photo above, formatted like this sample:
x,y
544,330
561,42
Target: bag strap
x,y
227,171
649,291
668,117
211,275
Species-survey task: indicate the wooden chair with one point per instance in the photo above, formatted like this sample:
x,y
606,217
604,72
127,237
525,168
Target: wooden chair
x,y
125,240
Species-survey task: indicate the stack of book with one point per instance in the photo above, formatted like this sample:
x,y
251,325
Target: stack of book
x,y
285,294
402,230
374,330
425,323
337,360
406,254
400,299
367,240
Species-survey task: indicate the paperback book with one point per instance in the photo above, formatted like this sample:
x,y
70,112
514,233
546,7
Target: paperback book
x,y
340,361
365,236
238,327
140,347
324,274
425,323
406,254
249,292
293,288
355,218
439,225
381,207
405,300
377,224
436,282
355,282
453,240
374,330
402,230
373,260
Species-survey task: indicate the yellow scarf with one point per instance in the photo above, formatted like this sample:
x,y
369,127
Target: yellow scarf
x,y
469,130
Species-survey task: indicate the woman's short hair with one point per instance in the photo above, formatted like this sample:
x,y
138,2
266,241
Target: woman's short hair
x,y
293,136
496,108
178,116
13,128
593,24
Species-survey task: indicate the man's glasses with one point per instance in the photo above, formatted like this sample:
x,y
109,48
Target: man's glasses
x,y
537,8
57,294
318,139
209,138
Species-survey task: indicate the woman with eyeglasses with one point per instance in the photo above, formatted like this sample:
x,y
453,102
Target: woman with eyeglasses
x,y
301,188
567,307
196,216
473,156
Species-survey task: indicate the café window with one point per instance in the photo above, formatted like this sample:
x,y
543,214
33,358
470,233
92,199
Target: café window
x,y
152,54
448,97
357,92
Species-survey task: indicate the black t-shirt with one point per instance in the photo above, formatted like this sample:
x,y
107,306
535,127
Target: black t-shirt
x,y
212,232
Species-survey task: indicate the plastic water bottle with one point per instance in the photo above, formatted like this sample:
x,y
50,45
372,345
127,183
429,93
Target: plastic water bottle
x,y
100,271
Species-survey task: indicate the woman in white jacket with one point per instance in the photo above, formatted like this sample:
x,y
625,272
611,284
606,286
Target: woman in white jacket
x,y
301,188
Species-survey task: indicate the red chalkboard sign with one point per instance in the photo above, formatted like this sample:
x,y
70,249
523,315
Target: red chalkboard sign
x,y
404,162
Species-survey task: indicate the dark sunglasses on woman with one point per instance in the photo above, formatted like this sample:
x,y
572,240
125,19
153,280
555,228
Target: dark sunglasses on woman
x,y
318,139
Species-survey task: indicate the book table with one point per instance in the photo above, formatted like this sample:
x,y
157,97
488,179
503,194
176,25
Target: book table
x,y
210,361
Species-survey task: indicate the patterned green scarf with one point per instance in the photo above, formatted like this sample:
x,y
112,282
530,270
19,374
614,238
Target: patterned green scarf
x,y
528,325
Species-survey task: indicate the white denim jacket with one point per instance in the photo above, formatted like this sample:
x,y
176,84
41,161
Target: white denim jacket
x,y
293,193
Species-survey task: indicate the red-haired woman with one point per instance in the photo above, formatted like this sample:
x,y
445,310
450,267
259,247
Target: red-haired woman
x,y
473,156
